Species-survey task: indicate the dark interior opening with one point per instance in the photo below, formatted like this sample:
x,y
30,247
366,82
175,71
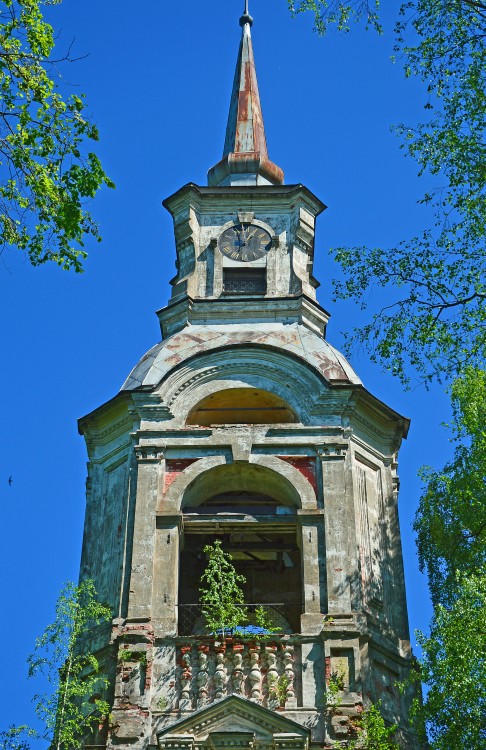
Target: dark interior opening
x,y
270,562
244,281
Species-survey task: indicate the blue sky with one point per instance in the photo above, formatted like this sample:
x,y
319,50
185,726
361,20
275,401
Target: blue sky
x,y
158,80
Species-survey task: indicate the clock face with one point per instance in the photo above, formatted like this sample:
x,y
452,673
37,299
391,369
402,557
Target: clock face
x,y
244,242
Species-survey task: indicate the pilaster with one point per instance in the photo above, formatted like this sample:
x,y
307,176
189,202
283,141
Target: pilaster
x,y
339,527
166,573
149,477
313,592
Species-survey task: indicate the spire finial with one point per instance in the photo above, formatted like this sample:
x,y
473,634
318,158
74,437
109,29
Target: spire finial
x,y
245,157
246,18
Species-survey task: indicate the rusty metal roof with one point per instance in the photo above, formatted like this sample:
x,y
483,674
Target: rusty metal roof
x,y
245,147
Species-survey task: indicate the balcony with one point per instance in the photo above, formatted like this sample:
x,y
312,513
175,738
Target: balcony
x,y
255,662
279,619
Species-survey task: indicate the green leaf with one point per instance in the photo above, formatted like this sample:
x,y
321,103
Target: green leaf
x,y
44,152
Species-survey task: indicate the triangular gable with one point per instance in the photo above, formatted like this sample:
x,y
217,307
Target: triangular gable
x,y
233,722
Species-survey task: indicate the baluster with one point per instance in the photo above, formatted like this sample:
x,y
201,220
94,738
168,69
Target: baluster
x,y
219,672
237,676
202,676
288,658
186,677
255,675
272,673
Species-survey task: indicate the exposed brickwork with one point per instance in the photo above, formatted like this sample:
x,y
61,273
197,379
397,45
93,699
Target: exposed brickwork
x,y
306,466
174,467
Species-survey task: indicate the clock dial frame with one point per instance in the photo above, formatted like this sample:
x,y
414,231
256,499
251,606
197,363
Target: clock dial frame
x,y
244,242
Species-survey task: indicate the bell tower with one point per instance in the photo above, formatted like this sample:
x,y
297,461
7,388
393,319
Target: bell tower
x,y
244,425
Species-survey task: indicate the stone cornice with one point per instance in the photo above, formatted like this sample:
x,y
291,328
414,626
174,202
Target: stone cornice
x,y
257,309
255,196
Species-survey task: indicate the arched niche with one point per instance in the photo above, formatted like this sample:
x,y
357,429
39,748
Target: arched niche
x,y
241,406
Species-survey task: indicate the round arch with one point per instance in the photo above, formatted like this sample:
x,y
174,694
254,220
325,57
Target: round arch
x,y
241,405
209,476
290,386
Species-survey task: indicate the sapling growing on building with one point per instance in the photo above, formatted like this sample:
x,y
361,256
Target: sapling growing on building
x,y
221,594
74,708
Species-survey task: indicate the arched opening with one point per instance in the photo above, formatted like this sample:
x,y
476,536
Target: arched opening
x,y
252,511
241,406
240,477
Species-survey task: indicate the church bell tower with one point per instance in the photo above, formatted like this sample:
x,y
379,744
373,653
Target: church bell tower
x,y
244,425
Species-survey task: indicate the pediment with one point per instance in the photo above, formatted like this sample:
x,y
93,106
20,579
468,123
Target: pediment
x,y
234,723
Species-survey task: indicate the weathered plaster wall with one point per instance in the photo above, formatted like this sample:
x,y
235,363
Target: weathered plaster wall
x,y
333,473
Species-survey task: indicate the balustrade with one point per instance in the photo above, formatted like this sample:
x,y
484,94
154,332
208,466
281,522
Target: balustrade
x,y
261,671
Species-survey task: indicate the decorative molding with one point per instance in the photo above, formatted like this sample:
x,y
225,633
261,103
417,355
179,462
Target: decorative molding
x,y
289,741
106,457
332,451
236,740
149,406
182,244
243,365
148,453
120,461
265,720
359,443
371,426
115,429
204,374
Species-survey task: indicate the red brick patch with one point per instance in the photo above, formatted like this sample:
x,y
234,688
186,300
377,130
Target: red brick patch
x,y
306,466
174,467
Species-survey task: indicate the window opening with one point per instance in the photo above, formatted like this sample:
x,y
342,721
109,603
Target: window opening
x,y
244,281
270,562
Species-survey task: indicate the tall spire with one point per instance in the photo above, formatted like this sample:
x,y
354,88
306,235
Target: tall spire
x,y
245,156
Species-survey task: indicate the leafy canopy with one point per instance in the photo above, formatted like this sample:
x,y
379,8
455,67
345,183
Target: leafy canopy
x,y
338,13
451,520
436,318
451,537
16,738
436,323
73,708
45,174
453,666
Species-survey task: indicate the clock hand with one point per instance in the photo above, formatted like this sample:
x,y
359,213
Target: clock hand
x,y
239,237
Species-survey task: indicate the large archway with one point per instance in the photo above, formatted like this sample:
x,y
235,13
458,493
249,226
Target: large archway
x,y
251,510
